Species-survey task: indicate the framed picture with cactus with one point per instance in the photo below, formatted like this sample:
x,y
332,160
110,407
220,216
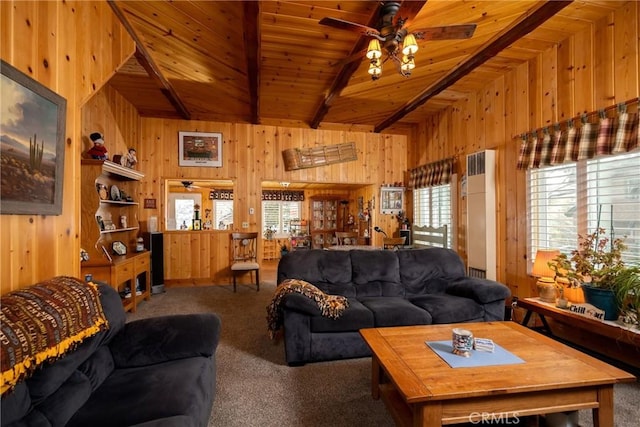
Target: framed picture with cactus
x,y
32,132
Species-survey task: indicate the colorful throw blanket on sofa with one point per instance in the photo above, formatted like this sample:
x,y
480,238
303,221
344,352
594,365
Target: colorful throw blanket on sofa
x,y
43,322
330,305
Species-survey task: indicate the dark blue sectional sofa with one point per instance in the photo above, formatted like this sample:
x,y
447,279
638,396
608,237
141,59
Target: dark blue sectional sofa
x,y
384,288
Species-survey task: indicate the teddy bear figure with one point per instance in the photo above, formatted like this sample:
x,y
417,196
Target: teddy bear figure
x,y
98,151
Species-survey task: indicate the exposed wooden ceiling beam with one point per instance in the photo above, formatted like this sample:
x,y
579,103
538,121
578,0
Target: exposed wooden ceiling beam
x,y
522,26
408,10
142,55
252,49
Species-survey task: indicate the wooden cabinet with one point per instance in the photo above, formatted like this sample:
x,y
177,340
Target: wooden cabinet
x,y
109,230
324,217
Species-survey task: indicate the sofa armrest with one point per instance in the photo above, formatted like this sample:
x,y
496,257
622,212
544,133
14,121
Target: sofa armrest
x,y
481,290
301,303
160,339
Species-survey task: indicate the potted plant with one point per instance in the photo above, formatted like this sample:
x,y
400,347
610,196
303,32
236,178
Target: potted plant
x,y
595,265
627,289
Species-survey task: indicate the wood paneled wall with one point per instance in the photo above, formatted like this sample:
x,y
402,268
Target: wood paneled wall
x,y
71,47
590,70
253,154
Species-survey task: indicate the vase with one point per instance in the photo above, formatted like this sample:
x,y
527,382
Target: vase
x,y
604,299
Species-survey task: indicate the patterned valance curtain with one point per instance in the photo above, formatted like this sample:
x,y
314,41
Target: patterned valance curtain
x,y
431,174
221,195
609,135
284,195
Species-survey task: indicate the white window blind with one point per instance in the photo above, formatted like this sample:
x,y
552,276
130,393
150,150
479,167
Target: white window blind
x,y
568,200
276,215
223,214
432,207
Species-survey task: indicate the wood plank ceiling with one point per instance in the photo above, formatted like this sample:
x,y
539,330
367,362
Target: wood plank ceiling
x,y
271,62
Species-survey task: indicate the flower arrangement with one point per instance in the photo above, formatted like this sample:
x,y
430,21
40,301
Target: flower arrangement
x,y
597,261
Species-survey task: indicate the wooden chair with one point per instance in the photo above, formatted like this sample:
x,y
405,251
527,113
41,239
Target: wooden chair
x,y
244,256
429,237
347,237
393,242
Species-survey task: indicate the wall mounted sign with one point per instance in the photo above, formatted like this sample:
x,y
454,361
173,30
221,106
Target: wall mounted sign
x,y
149,203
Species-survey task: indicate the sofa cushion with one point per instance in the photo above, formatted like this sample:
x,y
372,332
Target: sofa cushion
x,y
395,311
428,270
355,317
446,308
376,273
315,266
165,390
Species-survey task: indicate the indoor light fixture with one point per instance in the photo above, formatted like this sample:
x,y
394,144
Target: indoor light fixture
x,y
546,276
406,62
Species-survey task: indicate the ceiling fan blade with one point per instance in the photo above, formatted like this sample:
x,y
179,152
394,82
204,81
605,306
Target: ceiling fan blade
x,y
355,57
447,32
348,25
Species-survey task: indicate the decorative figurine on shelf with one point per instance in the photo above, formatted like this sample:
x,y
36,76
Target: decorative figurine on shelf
x,y
130,159
98,151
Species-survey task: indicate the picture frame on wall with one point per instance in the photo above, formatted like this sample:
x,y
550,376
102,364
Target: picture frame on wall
x,y
200,149
391,200
32,132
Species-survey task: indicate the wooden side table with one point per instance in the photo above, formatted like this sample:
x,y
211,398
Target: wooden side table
x,y
604,337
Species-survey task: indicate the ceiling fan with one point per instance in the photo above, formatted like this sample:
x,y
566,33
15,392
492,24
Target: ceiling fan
x,y
188,185
398,43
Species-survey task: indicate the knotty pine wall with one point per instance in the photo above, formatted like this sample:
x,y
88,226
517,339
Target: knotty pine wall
x,y
252,154
590,70
71,47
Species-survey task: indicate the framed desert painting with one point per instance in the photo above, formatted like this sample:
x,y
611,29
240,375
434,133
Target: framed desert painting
x,y
32,131
200,149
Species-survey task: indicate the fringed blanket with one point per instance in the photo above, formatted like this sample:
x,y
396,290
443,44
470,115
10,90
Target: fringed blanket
x,y
330,305
43,322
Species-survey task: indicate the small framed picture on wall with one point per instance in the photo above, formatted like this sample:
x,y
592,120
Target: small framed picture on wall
x,y
200,149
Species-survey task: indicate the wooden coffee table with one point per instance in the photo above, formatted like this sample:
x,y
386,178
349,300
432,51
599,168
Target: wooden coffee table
x,y
421,389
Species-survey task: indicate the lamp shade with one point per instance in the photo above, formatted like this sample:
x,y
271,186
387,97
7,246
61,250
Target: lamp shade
x,y
409,45
541,264
373,51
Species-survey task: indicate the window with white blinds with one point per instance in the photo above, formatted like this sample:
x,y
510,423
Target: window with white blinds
x,y
568,200
432,207
223,214
276,215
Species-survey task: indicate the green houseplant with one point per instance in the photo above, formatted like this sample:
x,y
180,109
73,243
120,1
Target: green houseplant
x,y
627,289
596,265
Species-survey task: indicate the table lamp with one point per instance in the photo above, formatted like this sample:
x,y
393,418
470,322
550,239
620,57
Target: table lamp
x,y
546,276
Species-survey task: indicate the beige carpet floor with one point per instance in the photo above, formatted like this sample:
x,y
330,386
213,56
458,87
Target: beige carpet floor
x,y
255,387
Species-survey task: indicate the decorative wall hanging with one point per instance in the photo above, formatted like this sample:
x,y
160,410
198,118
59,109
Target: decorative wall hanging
x,y
303,158
200,149
32,147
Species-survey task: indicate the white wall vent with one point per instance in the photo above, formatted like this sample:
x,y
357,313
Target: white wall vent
x,y
481,214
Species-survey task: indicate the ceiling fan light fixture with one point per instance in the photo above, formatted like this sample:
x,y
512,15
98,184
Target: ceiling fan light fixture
x,y
408,64
409,45
374,51
375,68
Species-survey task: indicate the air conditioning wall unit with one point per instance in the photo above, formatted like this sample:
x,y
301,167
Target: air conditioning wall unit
x,y
481,215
